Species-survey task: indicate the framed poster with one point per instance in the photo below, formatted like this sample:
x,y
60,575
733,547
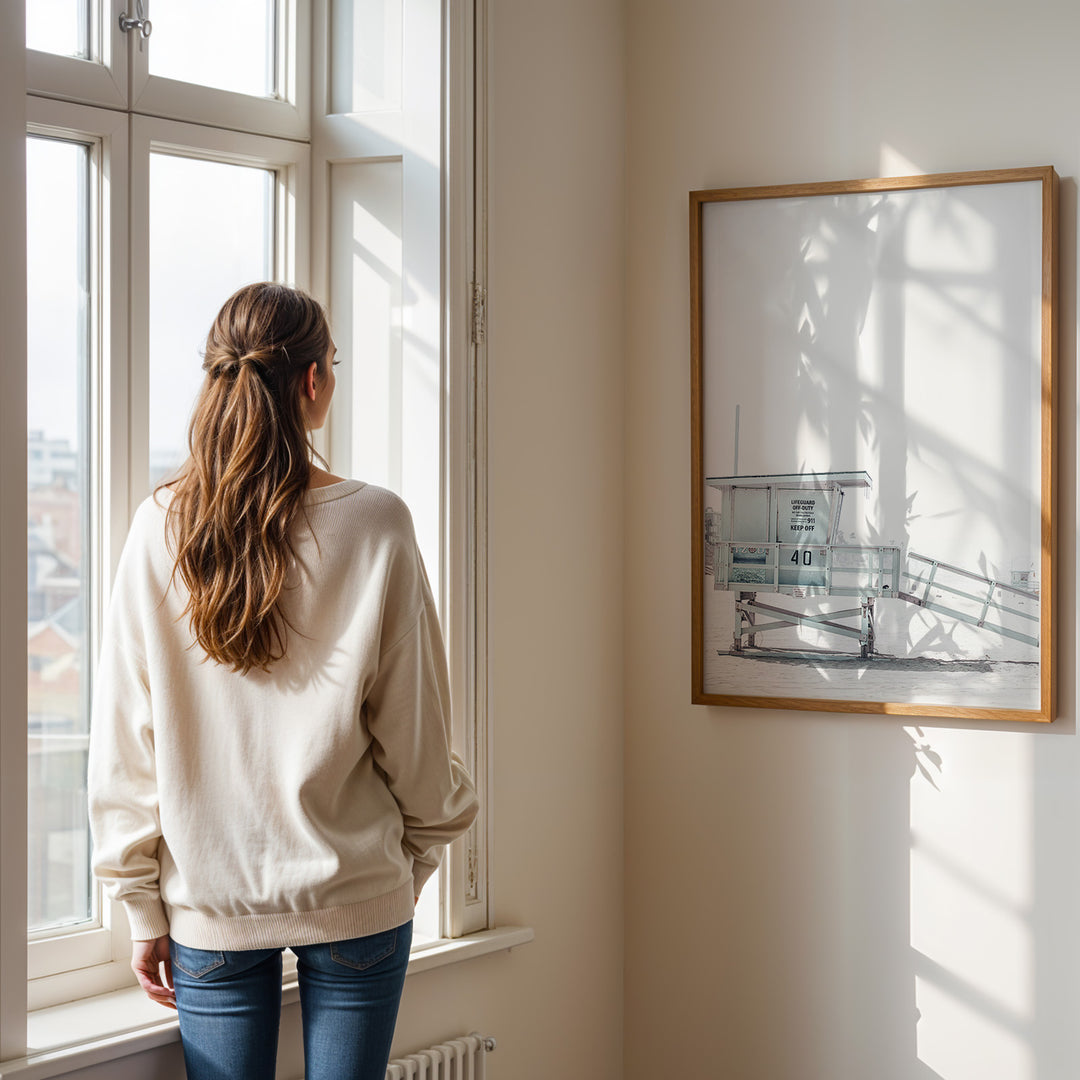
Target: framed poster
x,y
873,426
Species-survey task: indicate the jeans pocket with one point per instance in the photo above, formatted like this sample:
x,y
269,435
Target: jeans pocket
x,y
364,952
195,962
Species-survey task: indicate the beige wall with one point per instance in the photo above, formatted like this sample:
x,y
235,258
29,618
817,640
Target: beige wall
x,y
801,901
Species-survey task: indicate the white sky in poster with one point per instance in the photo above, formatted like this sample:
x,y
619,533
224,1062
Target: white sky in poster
x,y
896,333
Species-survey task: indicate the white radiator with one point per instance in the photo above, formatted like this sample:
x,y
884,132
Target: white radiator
x,y
457,1059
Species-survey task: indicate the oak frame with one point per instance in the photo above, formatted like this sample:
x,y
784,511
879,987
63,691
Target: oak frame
x,y
1047,411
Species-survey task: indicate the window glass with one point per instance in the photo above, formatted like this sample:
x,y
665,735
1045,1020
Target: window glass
x,y
229,46
211,231
58,26
58,500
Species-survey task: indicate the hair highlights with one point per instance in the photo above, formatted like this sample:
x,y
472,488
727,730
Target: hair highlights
x,y
238,494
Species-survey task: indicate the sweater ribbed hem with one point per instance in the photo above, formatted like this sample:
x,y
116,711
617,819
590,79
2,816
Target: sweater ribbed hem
x,y
281,929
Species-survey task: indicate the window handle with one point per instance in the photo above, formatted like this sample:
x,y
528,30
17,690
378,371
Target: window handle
x,y
142,24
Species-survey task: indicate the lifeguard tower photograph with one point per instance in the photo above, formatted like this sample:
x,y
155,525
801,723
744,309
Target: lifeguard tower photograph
x,y
874,459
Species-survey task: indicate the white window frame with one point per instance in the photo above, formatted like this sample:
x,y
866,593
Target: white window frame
x,y
287,116
106,133
105,82
101,79
464,211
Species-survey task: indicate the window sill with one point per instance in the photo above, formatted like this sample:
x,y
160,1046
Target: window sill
x,y
83,1033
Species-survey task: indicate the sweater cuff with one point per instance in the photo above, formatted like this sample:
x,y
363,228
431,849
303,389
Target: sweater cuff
x,y
146,918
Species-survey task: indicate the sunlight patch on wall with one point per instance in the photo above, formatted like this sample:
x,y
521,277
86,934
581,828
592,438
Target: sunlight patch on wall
x,y
971,901
894,163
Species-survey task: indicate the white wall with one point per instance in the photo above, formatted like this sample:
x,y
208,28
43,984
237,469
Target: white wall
x,y
802,901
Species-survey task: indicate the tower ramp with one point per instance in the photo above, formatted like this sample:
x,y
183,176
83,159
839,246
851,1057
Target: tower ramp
x,y
970,598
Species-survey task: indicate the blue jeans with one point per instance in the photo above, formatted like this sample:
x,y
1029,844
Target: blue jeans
x,y
229,1005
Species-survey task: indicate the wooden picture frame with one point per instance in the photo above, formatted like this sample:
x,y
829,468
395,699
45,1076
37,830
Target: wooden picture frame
x,y
873,423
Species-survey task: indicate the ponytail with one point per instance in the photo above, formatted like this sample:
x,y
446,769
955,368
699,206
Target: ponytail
x,y
243,485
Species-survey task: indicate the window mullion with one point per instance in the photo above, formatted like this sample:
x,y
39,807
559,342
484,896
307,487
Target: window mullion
x,y
137,316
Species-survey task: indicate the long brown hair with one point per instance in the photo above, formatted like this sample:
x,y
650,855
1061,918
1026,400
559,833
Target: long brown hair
x,y
243,485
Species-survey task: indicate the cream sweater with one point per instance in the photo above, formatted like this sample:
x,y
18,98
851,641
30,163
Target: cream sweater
x,y
304,805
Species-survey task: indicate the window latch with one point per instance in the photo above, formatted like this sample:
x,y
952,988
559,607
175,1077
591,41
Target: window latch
x,y
142,24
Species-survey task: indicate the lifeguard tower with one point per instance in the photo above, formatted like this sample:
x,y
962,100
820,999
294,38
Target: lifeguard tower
x,y
781,534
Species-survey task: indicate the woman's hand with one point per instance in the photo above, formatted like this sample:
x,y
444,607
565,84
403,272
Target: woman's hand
x,y
148,958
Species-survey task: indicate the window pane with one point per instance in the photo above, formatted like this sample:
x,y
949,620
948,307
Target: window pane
x,y
58,501
58,26
211,231
227,46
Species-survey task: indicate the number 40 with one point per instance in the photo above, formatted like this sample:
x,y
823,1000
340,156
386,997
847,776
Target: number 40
x,y
807,558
